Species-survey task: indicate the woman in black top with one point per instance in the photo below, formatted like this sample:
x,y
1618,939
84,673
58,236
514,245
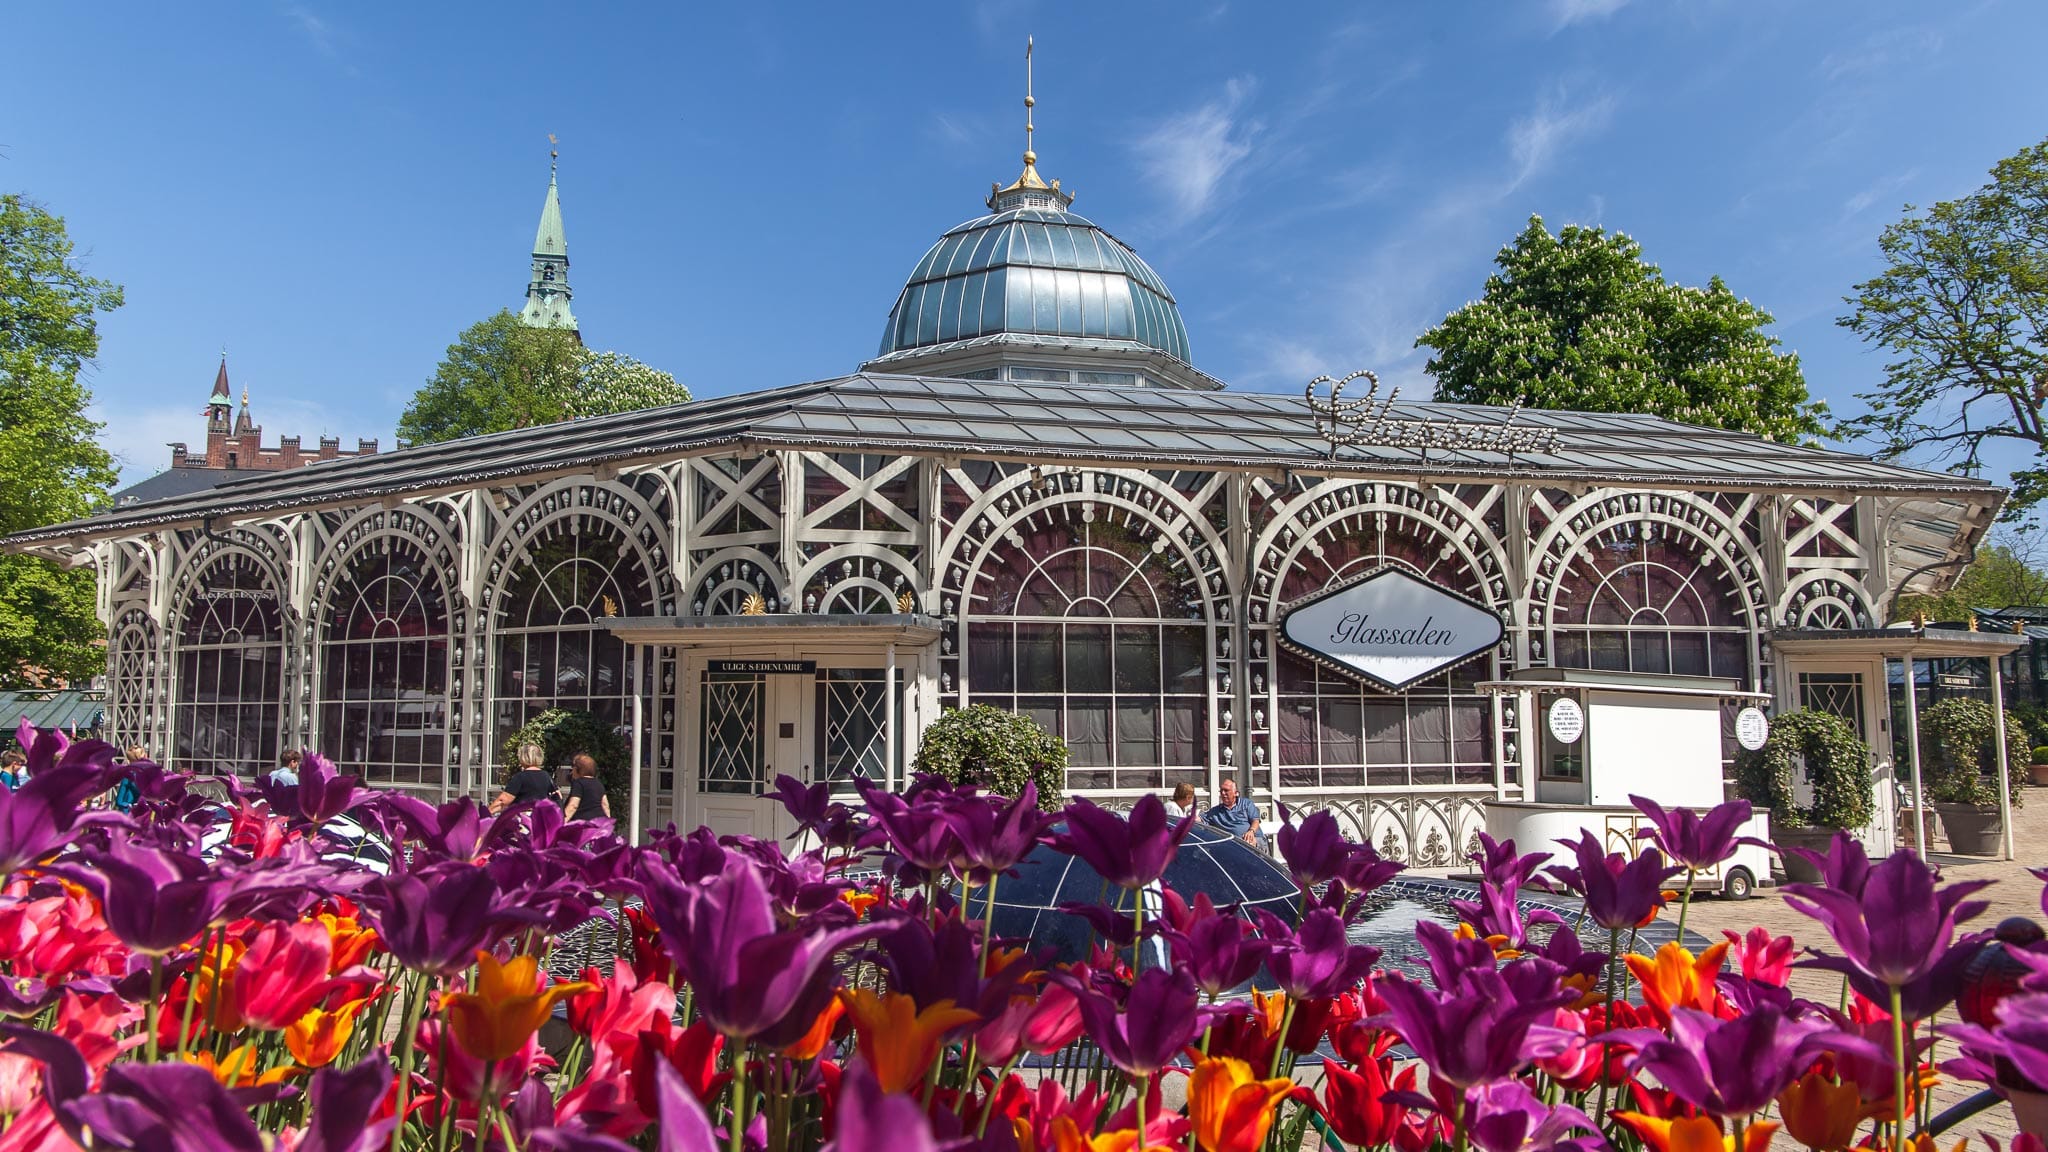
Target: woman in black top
x,y
531,782
587,800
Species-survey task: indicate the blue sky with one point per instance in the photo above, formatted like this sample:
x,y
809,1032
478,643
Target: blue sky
x,y
334,191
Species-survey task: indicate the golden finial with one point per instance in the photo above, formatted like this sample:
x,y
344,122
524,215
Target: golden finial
x,y
554,155
1030,157
245,395
1029,181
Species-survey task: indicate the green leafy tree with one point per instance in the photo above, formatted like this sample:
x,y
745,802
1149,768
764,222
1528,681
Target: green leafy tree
x,y
1962,306
1577,320
501,374
2005,573
52,467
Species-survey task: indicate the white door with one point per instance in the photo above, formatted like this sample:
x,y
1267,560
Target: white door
x,y
752,727
1858,692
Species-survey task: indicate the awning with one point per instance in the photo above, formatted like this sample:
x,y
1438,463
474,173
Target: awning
x,y
1594,680
907,630
1908,643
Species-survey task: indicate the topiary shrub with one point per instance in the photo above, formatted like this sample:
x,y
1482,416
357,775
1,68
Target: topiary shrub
x,y
1837,769
565,733
1960,755
2041,754
995,750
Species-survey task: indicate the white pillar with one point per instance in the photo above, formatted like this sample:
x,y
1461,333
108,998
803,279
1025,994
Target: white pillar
x,y
1913,752
638,654
1998,746
888,721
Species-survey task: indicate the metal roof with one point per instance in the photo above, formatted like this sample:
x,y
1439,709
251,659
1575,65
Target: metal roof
x,y
71,709
1063,423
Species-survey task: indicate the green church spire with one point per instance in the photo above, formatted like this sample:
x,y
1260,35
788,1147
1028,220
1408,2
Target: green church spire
x,y
547,293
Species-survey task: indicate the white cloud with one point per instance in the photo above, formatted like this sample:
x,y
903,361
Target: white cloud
x,y
1855,205
1191,157
1886,51
1534,140
1568,12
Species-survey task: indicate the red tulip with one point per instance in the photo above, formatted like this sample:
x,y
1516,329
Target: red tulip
x,y
1352,1101
283,975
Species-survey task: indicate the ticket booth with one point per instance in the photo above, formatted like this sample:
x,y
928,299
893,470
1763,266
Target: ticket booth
x,y
1597,738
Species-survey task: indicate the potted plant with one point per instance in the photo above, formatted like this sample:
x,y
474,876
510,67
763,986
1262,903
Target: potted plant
x,y
1958,750
1836,767
996,751
2040,767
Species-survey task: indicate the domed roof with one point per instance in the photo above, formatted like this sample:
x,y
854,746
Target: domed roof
x,y
1032,268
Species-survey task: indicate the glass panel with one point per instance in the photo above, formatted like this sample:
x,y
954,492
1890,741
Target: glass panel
x,y
1137,732
1088,731
732,759
991,657
1038,658
1088,658
1137,658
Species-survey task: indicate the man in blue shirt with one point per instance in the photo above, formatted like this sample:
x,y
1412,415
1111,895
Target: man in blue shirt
x,y
1236,815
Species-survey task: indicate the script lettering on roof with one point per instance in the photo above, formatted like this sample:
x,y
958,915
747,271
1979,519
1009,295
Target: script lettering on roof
x,y
1390,627
1369,422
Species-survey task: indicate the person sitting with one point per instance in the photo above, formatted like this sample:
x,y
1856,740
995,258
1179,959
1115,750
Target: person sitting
x,y
587,800
1182,803
286,774
1235,815
530,782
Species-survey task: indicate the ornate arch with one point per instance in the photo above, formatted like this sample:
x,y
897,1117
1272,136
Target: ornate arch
x,y
228,661
1824,599
389,669
574,506
857,579
730,576
1091,604
134,681
1654,582
1327,731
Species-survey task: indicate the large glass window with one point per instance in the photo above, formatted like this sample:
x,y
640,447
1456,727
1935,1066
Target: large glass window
x,y
554,650
1644,602
1083,628
384,669
230,666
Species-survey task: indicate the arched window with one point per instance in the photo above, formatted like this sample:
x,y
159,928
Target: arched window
x,y
230,667
1084,627
131,679
384,682
553,648
1337,731
1644,596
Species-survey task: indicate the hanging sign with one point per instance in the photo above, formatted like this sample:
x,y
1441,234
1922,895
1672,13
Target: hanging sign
x,y
1390,627
1567,720
1752,728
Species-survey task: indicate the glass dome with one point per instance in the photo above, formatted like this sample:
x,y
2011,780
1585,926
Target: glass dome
x,y
1034,269
1230,871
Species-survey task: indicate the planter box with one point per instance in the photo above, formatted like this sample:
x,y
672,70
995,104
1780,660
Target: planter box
x,y
2038,774
1972,830
1930,824
1796,868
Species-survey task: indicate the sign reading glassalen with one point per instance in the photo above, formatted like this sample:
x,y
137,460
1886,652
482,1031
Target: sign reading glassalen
x,y
1391,627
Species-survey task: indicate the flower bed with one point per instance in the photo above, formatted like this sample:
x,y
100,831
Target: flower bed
x,y
173,988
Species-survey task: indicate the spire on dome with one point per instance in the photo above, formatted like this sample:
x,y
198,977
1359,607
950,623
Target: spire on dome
x,y
547,291
1029,190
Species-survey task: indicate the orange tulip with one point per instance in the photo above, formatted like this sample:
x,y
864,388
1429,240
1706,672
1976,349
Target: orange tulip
x,y
209,985
237,1069
1922,1142
352,941
1674,979
508,1006
1822,1114
316,1038
860,901
1231,1108
898,1041
1696,1134
813,1041
1067,1137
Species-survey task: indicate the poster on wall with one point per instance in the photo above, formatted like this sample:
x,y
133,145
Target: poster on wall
x,y
1390,627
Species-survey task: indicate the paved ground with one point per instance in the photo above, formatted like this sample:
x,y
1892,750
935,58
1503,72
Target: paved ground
x,y
2014,894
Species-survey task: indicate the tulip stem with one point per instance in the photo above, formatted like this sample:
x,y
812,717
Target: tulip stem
x,y
1138,952
1613,945
1458,1120
737,1137
1143,1082
988,918
191,997
1280,1043
1898,1070
1685,906
156,993
988,1106
415,999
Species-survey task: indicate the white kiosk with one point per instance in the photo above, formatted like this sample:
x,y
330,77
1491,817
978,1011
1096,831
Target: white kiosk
x,y
1596,738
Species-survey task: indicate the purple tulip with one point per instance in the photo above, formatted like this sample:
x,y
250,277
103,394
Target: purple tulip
x,y
170,1107
322,792
872,1122
915,830
995,837
1735,1067
1314,849
1216,948
1161,1015
41,817
1845,867
436,919
1505,1116
343,1102
750,980
2021,1037
932,964
1315,961
154,899
1693,841
1498,911
1481,1024
1127,854
1619,893
1899,927
809,805
458,830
